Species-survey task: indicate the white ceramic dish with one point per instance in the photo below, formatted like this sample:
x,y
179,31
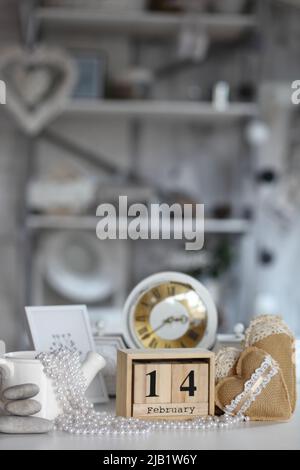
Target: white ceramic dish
x,y
78,268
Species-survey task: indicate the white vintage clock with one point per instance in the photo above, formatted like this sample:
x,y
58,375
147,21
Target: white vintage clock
x,y
170,310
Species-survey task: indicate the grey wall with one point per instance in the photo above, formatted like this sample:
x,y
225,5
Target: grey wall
x,y
10,318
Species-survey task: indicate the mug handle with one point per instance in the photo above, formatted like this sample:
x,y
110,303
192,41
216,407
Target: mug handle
x,y
6,368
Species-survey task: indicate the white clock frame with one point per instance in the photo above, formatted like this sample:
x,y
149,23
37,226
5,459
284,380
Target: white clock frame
x,y
209,338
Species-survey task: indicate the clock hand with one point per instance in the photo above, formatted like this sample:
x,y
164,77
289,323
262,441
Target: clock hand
x,y
146,336
169,320
183,319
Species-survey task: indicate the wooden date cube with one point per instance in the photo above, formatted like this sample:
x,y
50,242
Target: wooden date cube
x,y
147,390
190,383
165,383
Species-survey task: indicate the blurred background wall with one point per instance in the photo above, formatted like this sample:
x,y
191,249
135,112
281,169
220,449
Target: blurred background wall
x,y
222,132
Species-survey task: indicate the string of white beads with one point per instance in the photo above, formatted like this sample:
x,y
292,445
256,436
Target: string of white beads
x,y
79,416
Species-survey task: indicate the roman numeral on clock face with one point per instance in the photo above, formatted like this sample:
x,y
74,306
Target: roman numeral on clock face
x,y
171,290
193,335
153,343
141,318
143,331
156,293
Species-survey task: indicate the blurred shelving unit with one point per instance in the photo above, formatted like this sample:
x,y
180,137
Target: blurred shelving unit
x,y
177,110
135,26
143,24
49,222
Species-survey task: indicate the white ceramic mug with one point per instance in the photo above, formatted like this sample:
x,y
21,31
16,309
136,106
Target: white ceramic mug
x,y
23,368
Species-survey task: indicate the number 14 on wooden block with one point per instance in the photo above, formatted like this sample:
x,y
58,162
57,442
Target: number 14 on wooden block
x,y
165,384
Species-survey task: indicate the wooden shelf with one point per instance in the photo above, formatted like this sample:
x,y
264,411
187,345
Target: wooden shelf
x,y
159,109
53,222
218,26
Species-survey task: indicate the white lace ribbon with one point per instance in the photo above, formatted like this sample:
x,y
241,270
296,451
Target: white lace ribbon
x,y
253,387
264,326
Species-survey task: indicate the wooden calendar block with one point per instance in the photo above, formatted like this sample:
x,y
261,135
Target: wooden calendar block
x,y
170,411
166,384
152,383
190,383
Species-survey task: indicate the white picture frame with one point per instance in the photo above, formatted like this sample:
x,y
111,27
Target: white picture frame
x,y
107,346
52,327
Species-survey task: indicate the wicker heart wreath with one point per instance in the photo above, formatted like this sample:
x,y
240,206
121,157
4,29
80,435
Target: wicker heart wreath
x,y
38,85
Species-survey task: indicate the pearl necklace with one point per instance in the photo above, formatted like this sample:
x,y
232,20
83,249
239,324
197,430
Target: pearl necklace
x,y
79,416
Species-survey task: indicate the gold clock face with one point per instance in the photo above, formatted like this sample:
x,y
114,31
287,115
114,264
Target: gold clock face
x,y
170,315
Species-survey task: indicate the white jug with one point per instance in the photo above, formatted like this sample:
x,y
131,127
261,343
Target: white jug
x,y
23,368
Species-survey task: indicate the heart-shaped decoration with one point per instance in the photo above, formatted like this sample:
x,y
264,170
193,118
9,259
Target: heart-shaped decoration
x,y
39,84
258,389
271,333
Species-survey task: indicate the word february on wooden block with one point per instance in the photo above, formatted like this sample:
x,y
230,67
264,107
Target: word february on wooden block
x,y
168,383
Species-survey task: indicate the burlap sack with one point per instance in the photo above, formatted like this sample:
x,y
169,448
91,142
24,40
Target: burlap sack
x,y
272,404
271,334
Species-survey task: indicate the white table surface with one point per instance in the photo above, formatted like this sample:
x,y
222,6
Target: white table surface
x,y
249,436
